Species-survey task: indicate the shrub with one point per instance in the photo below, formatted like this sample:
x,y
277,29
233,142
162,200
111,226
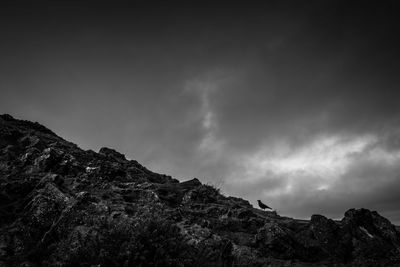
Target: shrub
x,y
203,194
159,243
148,240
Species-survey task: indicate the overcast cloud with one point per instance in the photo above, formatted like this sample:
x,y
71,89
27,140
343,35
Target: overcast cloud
x,y
295,104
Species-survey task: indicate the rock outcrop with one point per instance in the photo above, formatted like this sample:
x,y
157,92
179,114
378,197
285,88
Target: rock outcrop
x,y
64,206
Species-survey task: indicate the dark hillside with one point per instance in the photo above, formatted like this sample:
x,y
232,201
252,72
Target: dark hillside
x,y
64,206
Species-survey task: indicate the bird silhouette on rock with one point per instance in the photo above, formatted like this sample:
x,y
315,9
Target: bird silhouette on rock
x,y
262,205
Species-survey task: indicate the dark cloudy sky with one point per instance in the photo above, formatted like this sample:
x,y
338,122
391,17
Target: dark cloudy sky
x,y
296,103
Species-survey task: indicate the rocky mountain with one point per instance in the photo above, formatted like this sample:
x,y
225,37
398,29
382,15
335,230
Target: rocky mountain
x,y
64,206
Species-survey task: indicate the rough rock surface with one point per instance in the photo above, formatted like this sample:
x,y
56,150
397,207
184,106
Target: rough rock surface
x,y
63,206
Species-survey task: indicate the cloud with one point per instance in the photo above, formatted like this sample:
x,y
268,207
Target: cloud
x,y
295,104
328,176
211,146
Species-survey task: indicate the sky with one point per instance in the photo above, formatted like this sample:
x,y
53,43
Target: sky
x,y
295,103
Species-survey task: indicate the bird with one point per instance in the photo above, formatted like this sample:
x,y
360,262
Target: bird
x,y
262,205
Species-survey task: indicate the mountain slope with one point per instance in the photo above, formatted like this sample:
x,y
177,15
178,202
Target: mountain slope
x,y
63,206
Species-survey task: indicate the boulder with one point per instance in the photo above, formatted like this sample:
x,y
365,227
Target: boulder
x,y
276,241
327,233
190,184
111,153
372,236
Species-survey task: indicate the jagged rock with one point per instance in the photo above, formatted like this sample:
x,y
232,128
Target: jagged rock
x,y
7,117
170,193
190,184
45,207
48,159
277,241
372,222
246,213
202,194
112,153
63,206
327,233
238,202
373,237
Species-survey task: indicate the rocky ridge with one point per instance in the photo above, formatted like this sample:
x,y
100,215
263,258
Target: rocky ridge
x,y
64,206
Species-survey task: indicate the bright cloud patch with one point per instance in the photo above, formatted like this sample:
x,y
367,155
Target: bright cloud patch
x,y
319,175
326,156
